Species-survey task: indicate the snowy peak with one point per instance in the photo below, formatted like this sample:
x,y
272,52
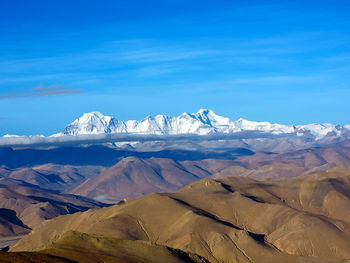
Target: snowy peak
x,y
203,122
210,118
89,123
320,130
93,123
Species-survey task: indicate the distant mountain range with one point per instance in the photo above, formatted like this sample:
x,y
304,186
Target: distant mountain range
x,y
94,127
203,122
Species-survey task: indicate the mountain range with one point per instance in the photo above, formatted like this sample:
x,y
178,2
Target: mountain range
x,y
233,219
204,125
109,173
194,188
203,122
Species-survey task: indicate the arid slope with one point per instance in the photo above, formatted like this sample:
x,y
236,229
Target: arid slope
x,y
134,177
24,206
234,219
86,248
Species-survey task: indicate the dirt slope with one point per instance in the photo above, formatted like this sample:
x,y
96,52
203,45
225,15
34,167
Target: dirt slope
x,y
303,219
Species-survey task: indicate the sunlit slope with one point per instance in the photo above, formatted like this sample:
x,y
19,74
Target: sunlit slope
x,y
235,219
91,249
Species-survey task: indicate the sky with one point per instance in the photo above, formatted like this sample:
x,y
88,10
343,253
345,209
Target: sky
x,y
280,61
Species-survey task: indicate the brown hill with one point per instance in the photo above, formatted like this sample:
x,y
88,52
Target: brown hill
x,y
234,219
133,177
24,206
79,247
130,177
268,166
91,249
52,176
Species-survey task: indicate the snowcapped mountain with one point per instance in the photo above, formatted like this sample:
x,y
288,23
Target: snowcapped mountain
x,y
203,122
320,130
94,123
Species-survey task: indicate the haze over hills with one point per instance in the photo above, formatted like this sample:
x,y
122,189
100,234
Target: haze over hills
x,y
107,172
121,175
134,177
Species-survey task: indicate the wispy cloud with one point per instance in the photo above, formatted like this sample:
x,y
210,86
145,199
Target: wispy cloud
x,y
339,58
263,60
279,80
41,91
151,55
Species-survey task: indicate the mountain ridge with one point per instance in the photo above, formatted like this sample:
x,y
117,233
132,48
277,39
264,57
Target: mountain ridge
x,y
203,122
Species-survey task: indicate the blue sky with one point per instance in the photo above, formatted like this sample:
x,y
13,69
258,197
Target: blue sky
x,y
277,61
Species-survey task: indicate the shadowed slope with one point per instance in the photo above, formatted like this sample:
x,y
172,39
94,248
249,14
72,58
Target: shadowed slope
x,y
24,206
10,224
53,176
31,257
91,249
